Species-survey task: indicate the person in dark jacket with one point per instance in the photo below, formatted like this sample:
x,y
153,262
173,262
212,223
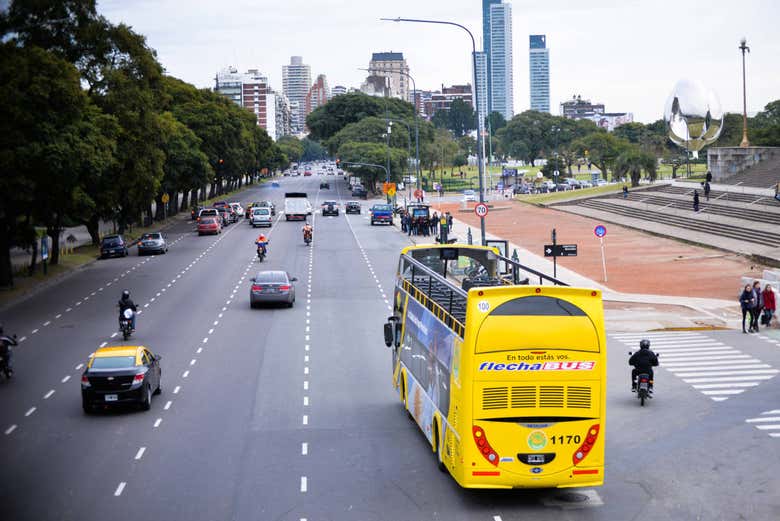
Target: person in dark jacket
x,y
746,303
643,361
126,303
758,305
5,349
695,200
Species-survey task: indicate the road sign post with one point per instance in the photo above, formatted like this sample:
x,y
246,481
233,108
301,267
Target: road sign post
x,y
165,199
481,210
556,250
600,231
554,235
44,252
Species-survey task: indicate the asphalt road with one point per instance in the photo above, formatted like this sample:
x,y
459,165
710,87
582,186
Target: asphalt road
x,y
289,414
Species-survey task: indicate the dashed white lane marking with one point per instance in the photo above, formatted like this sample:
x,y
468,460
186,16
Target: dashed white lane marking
x,y
305,401
113,335
34,331
216,322
168,405
79,366
48,395
146,305
193,361
23,339
305,419
304,484
104,344
185,374
305,385
30,411
10,429
304,448
67,377
211,331
496,518
119,489
199,350
140,453
176,390
305,370
68,310
205,340
157,422
58,316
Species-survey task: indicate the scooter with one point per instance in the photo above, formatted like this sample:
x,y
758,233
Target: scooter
x,y
260,252
5,368
126,323
307,237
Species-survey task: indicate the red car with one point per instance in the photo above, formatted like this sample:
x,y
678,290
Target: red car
x,y
307,173
209,225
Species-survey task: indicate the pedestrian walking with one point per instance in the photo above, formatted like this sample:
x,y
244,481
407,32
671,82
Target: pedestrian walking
x,y
449,222
625,192
769,305
758,303
695,200
434,222
707,191
746,304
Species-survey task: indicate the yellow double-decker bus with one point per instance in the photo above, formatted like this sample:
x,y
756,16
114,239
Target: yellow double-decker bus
x,y
507,381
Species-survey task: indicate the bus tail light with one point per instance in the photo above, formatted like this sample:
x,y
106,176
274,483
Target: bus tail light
x,y
484,445
590,440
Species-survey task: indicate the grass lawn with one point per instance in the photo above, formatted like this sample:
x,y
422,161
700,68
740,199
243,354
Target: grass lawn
x,y
569,194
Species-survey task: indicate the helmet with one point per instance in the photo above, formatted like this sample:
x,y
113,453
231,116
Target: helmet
x,y
644,344
125,295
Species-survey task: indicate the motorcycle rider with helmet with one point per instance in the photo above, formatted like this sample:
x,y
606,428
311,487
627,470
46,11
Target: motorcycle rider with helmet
x,y
5,350
126,303
262,243
643,361
308,230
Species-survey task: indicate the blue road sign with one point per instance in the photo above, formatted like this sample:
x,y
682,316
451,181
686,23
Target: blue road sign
x,y
600,231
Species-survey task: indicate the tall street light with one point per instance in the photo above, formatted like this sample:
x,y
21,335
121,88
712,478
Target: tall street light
x,y
476,105
416,125
745,143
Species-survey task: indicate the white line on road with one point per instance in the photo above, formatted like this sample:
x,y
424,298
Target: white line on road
x,y
67,377
113,335
30,411
205,340
193,361
220,315
211,331
304,448
496,518
104,344
23,339
199,350
146,305
185,374
305,401
305,370
58,316
68,310
305,385
34,331
305,419
304,484
157,422
140,453
79,366
119,489
176,390
216,322
168,405
306,358
725,385
10,429
48,395
764,419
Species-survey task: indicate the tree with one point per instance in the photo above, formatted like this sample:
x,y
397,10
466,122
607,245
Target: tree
x,y
601,148
527,135
292,147
374,153
370,130
495,121
313,151
766,126
632,162
327,120
461,118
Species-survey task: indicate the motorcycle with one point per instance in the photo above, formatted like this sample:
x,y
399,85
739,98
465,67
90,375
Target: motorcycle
x,y
126,323
644,390
261,252
307,237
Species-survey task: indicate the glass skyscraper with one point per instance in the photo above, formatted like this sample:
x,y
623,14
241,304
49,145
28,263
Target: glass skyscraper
x,y
500,60
539,63
486,40
481,79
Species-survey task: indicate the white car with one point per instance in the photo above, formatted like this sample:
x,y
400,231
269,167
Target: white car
x,y
237,208
261,216
469,196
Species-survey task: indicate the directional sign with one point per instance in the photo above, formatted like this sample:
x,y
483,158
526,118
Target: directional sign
x,y
481,210
166,198
560,250
44,248
600,231
391,191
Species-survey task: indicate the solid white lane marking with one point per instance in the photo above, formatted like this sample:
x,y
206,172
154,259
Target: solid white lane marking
x,y
30,411
176,390
708,352
140,453
305,419
185,374
756,372
67,377
157,422
304,484
695,368
727,379
724,391
48,395
10,429
119,489
719,357
304,448
168,405
725,385
776,411
767,427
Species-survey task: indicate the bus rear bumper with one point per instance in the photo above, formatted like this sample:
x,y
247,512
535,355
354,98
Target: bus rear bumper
x,y
496,478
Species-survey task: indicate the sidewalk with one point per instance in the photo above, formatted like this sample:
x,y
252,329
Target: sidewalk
x,y
698,292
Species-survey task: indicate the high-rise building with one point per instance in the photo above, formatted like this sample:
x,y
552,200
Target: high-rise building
x,y
392,65
296,81
338,90
500,60
486,42
318,94
539,73
441,100
481,76
252,91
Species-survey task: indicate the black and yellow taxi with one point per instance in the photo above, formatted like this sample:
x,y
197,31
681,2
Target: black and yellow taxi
x,y
120,375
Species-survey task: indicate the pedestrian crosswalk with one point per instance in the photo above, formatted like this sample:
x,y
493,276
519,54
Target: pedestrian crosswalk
x,y
768,421
713,368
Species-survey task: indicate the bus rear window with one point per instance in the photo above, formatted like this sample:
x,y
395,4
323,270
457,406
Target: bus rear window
x,y
539,306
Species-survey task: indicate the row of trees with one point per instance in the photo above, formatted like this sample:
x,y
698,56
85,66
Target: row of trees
x,y
92,129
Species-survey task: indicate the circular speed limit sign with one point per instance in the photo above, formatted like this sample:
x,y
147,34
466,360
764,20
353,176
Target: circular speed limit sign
x,y
481,210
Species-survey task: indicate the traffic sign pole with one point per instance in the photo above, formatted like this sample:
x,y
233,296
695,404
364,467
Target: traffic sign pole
x,y
555,257
603,259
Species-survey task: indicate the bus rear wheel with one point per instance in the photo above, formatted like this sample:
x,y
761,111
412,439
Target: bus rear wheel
x,y
439,446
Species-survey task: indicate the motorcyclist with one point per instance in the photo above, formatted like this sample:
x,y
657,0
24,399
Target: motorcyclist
x,y
262,242
307,231
126,303
5,348
643,361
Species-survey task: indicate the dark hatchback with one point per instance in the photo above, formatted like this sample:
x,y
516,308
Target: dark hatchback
x,y
352,207
120,375
113,245
330,208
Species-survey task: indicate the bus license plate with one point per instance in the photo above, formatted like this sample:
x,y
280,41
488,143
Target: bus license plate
x,y
110,397
535,458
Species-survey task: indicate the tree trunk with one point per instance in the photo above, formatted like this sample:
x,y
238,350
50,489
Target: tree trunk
x,y
184,198
93,228
33,258
53,231
159,208
6,272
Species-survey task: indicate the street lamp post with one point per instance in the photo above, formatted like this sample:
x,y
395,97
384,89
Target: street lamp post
x,y
745,143
556,172
476,105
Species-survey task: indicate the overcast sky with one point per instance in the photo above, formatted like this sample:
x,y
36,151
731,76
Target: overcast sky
x,y
627,54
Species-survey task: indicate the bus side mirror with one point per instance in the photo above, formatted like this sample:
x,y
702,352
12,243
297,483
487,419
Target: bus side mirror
x,y
389,333
393,331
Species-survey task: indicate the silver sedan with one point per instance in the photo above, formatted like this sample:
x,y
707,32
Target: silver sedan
x,y
272,286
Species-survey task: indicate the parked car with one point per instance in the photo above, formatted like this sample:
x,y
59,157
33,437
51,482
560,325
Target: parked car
x,y
601,182
113,245
307,173
120,374
359,191
324,185
152,243
563,187
261,216
272,286
521,189
209,225
352,207
330,208
469,195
